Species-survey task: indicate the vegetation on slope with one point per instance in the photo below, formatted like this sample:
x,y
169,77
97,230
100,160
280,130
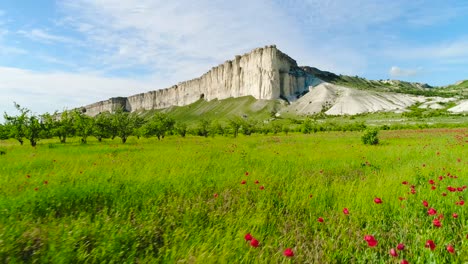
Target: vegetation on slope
x,y
460,90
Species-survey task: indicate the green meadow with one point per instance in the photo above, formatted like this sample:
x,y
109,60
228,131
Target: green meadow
x,y
182,200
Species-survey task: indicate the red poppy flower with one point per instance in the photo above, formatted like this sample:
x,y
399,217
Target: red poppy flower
x,y
404,261
440,178
28,176
262,187
401,198
248,237
444,194
430,244
377,200
401,246
433,187
437,222
460,189
254,242
36,189
288,252
431,182
425,203
345,211
393,252
405,183
215,195
320,219
461,202
243,182
371,241
257,182
450,249
432,211
413,191
46,182
246,173
455,215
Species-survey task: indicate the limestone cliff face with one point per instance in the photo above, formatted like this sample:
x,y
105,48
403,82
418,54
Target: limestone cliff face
x,y
264,73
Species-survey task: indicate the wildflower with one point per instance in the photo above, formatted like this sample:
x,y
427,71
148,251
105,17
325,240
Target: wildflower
x,y
377,200
254,242
404,261
243,182
430,244
431,182
432,211
36,189
262,187
450,249
371,241
215,195
248,237
404,183
257,182
425,203
437,223
345,211
46,182
28,176
401,246
455,215
393,252
444,194
433,187
320,219
246,173
288,252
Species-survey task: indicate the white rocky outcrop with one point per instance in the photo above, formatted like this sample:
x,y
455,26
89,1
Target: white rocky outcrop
x,y
264,73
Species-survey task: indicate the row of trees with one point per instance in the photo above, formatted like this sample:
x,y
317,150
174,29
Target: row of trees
x,y
122,124
27,126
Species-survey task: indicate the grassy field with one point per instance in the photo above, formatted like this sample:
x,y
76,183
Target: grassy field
x,y
181,200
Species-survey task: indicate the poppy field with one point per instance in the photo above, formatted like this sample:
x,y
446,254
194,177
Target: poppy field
x,y
315,198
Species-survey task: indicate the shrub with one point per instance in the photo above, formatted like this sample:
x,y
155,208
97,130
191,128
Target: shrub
x,y
370,136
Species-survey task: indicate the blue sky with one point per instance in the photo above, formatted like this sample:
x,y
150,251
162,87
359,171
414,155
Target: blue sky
x,y
57,55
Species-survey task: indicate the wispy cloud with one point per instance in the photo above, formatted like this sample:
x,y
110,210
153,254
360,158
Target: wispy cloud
x,y
444,51
397,72
44,36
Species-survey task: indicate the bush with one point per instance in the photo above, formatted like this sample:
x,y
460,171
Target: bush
x,y
370,136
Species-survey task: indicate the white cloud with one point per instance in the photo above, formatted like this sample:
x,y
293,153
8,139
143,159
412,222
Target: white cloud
x,y
47,92
398,72
41,35
443,52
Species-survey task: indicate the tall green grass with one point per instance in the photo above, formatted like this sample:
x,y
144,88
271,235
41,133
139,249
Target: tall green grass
x,y
181,199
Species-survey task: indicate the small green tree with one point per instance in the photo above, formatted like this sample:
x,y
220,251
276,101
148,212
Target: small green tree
x,y
370,136
83,125
4,132
203,128
64,126
158,125
123,124
181,129
235,125
17,124
102,126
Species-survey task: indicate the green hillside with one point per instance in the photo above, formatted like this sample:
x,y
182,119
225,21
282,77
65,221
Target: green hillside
x,y
223,110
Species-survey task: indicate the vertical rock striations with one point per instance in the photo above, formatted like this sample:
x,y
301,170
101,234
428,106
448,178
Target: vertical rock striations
x,y
264,73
